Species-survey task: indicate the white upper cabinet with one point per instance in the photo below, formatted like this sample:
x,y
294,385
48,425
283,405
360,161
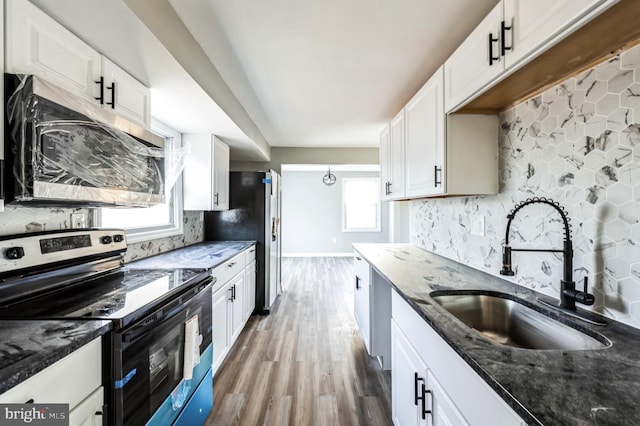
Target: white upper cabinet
x,y
443,155
205,177
221,172
514,32
396,187
385,164
529,24
475,62
425,139
127,95
37,44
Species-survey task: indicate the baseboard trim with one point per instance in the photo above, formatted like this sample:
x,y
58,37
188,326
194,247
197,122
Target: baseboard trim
x,y
317,254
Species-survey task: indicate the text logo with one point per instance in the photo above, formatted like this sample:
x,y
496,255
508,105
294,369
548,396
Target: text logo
x,y
34,414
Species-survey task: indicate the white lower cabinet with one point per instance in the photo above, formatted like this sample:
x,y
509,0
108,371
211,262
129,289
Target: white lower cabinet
x,y
75,380
362,299
232,303
89,412
408,375
453,393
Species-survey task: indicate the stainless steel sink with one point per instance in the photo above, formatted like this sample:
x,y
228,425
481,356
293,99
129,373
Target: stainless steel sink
x,y
503,319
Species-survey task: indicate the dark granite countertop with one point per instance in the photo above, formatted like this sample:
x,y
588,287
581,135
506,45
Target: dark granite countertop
x,y
206,255
29,346
549,387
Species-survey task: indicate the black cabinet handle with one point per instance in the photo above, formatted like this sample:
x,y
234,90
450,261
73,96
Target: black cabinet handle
x,y
29,401
503,41
388,188
231,297
215,198
437,169
113,95
424,401
357,282
101,97
416,379
492,58
234,292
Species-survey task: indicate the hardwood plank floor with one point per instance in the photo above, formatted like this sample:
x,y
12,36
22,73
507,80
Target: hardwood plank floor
x,y
305,363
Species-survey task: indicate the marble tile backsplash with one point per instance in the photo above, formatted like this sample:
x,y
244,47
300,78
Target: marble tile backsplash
x,y
18,220
579,144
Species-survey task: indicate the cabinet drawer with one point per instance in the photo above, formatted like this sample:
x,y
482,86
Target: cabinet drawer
x,y
228,270
361,268
68,381
250,255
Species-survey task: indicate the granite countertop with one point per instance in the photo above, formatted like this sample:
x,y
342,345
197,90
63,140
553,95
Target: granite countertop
x,y
549,387
206,255
29,346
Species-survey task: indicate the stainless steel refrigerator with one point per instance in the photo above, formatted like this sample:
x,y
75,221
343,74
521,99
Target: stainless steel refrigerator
x,y
254,214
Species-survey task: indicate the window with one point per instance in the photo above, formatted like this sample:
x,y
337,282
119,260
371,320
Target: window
x,y
162,220
360,205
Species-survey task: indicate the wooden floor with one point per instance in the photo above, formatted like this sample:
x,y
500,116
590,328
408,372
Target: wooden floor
x,y
305,363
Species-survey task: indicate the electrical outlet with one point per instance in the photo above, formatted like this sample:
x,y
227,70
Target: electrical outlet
x,y
78,220
477,225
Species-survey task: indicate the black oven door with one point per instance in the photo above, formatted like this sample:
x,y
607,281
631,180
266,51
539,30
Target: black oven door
x,y
160,358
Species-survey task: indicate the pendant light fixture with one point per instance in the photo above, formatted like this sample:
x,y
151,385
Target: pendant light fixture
x,y
329,178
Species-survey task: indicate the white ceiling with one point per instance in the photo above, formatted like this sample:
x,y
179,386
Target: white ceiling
x,y
332,72
328,73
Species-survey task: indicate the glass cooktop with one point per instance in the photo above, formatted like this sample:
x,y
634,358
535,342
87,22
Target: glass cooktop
x,y
122,296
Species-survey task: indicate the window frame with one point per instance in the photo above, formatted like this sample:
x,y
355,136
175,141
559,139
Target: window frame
x,y
147,233
376,181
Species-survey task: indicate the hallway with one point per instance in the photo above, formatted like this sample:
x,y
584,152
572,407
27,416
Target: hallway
x,y
305,363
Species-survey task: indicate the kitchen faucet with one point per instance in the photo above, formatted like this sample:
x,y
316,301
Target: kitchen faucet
x,y
568,293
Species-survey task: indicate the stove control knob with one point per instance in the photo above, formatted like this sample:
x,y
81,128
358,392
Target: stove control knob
x,y
14,253
106,239
118,238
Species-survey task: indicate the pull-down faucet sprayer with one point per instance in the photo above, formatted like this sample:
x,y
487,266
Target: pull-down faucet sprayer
x,y
568,293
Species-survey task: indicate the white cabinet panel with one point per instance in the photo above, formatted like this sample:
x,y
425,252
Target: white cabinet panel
x,y
36,44
89,412
396,150
443,410
425,139
468,69
129,97
534,22
221,175
408,374
206,173
237,306
221,335
385,164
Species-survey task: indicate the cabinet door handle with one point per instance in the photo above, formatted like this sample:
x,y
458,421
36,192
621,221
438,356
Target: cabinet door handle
x,y
100,98
503,37
29,401
358,258
388,188
424,401
437,169
215,198
234,292
416,379
231,265
231,297
357,282
492,58
113,95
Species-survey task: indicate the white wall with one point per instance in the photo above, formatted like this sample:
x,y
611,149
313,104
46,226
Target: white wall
x,y
312,215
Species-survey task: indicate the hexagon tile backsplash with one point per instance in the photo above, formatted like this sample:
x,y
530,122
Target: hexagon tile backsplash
x,y
579,144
